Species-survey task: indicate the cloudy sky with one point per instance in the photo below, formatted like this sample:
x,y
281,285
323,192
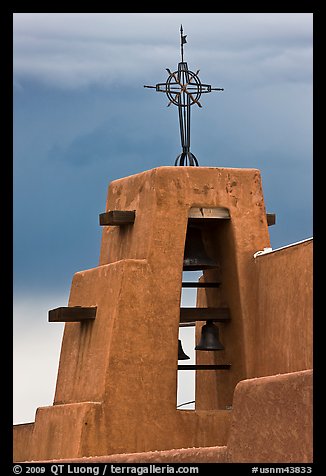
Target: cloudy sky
x,y
82,119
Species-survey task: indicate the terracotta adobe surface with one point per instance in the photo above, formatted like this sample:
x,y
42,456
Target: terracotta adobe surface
x,y
117,379
271,422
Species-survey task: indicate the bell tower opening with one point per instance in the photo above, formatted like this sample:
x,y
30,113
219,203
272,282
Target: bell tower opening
x,y
186,382
204,311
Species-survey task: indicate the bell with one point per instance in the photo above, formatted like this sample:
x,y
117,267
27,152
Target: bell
x,y
209,338
181,354
195,257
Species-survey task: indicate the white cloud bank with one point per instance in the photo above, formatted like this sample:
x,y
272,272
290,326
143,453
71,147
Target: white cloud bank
x,y
36,352
76,50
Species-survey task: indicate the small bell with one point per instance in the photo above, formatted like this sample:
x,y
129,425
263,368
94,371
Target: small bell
x,y
181,354
209,338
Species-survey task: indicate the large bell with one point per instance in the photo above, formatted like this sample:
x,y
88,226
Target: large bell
x,y
181,354
209,338
195,257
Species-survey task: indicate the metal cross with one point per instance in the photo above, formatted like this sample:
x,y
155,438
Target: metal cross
x,y
183,89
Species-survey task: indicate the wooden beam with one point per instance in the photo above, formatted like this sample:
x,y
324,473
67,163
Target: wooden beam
x,y
205,367
209,213
198,215
218,314
117,217
72,314
200,285
271,219
207,216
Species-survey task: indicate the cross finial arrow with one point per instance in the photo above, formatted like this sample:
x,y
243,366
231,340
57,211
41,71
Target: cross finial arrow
x,y
183,89
183,41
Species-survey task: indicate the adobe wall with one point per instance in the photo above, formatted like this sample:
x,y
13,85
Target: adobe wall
x,y
22,439
282,341
272,420
271,423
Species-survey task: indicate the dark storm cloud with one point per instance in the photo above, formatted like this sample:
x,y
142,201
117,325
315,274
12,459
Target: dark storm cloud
x,y
73,51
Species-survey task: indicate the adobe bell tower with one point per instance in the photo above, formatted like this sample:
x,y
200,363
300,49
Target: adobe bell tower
x,y
117,380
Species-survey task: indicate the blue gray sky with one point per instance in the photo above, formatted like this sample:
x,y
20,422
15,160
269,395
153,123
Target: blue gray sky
x,y
82,119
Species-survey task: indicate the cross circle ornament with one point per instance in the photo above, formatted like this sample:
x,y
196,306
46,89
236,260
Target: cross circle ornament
x,y
183,88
